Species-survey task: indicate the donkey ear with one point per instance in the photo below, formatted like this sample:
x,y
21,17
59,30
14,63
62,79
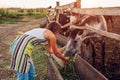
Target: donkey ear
x,y
48,18
57,18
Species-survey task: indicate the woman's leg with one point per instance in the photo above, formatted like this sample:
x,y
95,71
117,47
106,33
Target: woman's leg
x,y
21,76
31,72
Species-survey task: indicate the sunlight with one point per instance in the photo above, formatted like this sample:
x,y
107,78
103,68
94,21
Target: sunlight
x,y
90,3
47,3
99,3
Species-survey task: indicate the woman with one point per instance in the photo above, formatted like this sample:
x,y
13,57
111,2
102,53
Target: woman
x,y
23,45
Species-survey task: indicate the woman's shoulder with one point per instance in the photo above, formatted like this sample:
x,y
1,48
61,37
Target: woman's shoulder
x,y
39,29
49,34
36,30
48,31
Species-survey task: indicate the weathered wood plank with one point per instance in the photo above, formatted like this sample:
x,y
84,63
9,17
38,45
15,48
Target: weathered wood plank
x,y
70,5
61,40
98,11
100,32
85,71
53,72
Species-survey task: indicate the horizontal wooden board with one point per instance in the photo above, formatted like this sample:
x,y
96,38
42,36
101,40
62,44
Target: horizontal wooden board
x,y
85,71
100,32
70,5
98,11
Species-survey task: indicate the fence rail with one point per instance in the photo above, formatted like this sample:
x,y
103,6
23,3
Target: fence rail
x,y
95,11
98,11
90,11
70,5
100,32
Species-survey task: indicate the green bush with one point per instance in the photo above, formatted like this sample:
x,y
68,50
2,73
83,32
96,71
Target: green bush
x,y
6,16
36,15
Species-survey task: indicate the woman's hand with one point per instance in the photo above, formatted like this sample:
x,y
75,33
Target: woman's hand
x,y
62,49
67,59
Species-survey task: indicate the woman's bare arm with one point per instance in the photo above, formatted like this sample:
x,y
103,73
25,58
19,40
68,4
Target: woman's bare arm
x,y
52,42
48,48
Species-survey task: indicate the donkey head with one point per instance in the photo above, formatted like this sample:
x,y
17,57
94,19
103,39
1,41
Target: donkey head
x,y
73,44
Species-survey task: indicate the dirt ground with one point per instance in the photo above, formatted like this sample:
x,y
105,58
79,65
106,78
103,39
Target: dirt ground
x,y
9,31
7,34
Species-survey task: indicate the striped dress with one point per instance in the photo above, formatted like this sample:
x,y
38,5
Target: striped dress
x,y
21,53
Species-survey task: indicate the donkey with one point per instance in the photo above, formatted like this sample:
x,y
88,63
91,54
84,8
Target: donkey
x,y
78,40
109,18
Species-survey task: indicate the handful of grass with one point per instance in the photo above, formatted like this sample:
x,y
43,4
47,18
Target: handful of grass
x,y
68,72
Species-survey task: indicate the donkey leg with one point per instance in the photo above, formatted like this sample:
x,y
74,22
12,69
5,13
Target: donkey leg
x,y
93,52
103,52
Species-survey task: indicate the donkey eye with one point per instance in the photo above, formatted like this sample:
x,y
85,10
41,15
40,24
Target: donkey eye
x,y
80,32
75,41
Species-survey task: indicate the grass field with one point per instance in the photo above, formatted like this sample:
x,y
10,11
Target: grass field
x,y
8,17
39,59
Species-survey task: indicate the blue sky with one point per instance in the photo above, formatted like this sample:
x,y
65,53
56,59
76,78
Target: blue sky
x,y
47,3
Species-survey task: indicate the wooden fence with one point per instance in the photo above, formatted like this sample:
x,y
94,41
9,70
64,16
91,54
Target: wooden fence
x,y
75,8
94,11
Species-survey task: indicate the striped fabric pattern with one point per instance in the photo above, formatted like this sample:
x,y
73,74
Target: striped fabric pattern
x,y
20,60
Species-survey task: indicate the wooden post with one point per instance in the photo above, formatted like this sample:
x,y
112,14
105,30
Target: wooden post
x,y
57,11
57,3
78,4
